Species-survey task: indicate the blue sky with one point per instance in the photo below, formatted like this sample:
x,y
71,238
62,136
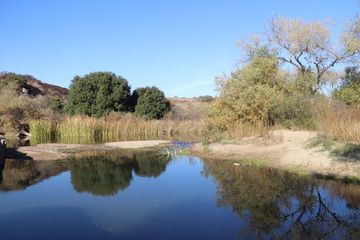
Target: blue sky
x,y
178,46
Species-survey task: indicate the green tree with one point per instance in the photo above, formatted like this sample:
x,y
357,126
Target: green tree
x,y
349,90
151,103
98,93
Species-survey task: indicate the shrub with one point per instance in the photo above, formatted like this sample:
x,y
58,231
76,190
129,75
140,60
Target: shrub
x,y
18,110
151,103
293,111
19,80
349,91
98,93
55,104
248,94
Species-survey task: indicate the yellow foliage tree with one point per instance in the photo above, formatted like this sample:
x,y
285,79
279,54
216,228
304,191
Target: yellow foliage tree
x,y
308,46
248,93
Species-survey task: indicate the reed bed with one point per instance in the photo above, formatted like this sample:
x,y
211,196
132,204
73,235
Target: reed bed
x,y
342,125
87,130
43,130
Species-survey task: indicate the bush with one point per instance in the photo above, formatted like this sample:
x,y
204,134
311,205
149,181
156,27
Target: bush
x,y
151,103
293,111
55,104
349,91
248,94
97,94
19,80
18,110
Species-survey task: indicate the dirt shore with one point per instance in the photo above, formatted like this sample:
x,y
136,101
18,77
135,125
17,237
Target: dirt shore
x,y
282,149
55,151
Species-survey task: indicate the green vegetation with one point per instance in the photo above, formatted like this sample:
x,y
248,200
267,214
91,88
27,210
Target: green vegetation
x,y
349,91
248,94
321,141
151,103
89,130
98,93
55,104
19,80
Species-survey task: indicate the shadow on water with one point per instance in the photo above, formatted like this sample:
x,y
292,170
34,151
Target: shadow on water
x,y
283,205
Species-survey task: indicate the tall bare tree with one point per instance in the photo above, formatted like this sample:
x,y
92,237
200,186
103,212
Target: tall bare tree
x,y
308,46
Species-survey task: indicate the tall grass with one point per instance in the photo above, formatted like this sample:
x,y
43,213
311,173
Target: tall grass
x,y
43,130
84,129
342,124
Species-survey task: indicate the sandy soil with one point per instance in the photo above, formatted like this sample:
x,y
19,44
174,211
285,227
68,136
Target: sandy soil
x,y
46,152
283,149
137,144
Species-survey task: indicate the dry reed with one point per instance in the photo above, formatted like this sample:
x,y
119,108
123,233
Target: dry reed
x,y
342,125
84,129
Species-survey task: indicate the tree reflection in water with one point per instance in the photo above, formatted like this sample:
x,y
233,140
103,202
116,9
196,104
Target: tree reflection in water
x,y
107,173
17,175
284,205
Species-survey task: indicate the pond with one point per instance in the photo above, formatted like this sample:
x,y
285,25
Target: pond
x,y
148,195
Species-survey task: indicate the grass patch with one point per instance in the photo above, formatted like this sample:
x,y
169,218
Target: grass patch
x,y
250,162
321,141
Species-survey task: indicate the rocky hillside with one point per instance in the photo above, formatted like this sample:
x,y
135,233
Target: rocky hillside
x,y
32,86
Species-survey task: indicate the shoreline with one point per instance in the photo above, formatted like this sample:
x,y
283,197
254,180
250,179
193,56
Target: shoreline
x,y
284,149
58,151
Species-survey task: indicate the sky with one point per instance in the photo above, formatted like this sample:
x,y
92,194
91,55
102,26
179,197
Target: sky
x,y
178,46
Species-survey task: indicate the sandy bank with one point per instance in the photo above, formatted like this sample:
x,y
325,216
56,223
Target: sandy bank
x,y
282,149
55,151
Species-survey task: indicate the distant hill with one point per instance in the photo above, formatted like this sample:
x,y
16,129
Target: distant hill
x,y
182,108
189,108
34,87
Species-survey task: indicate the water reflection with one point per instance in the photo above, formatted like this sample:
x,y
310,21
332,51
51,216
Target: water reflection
x,y
267,203
284,205
106,173
19,174
99,173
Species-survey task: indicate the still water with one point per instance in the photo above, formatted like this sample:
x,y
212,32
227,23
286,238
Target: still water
x,y
147,195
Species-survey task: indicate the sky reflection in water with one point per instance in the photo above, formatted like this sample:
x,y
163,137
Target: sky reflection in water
x,y
127,195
